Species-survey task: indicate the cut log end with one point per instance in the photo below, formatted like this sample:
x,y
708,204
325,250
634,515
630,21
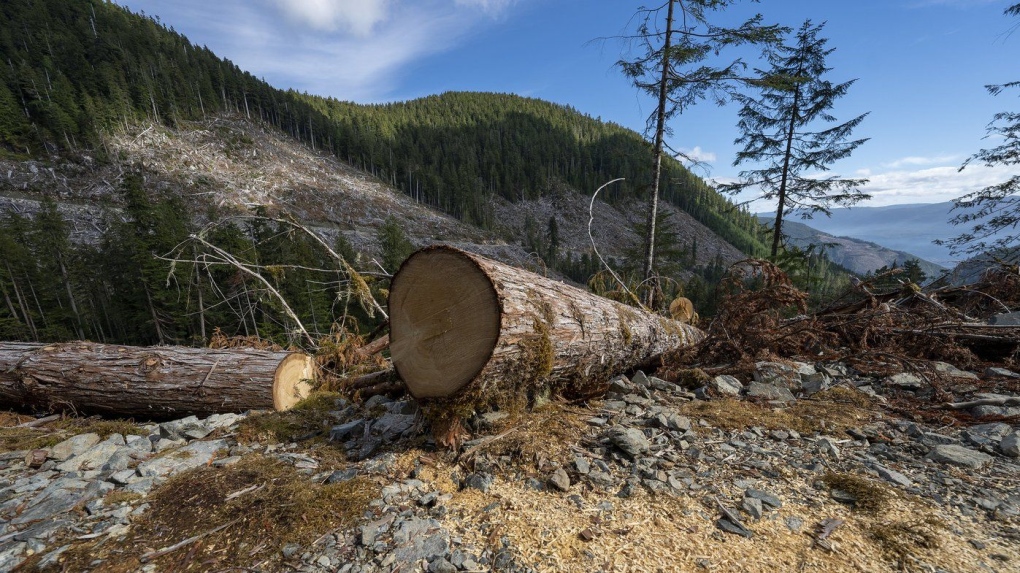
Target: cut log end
x,y
292,381
447,325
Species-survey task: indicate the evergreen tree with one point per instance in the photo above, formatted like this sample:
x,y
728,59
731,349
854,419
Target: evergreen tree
x,y
395,245
679,65
779,133
994,211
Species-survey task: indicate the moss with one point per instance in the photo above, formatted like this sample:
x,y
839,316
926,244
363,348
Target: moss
x,y
284,507
691,378
899,540
871,498
120,496
308,419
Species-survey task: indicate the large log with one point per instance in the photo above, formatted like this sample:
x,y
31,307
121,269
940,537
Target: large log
x,y
469,329
153,382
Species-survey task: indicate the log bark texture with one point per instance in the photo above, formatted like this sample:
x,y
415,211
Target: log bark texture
x,y
462,325
151,382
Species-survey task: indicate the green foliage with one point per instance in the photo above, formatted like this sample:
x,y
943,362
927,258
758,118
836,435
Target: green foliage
x,y
993,213
395,245
779,131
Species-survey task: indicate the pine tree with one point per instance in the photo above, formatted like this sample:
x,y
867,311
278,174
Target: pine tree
x,y
781,132
680,65
994,211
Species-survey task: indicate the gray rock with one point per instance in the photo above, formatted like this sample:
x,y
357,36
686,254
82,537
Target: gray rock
x,y
222,420
753,507
163,444
777,374
1006,319
904,380
341,476
581,465
726,385
478,480
289,550
673,421
353,428
560,480
191,456
392,426
794,523
735,528
442,566
11,555
429,548
377,400
935,439
54,502
620,385
141,486
1010,445
51,559
765,497
370,531
140,444
953,371
631,440
174,429
1000,373
959,456
893,476
91,459
828,447
73,446
995,411
814,383
123,477
987,434
769,392
639,379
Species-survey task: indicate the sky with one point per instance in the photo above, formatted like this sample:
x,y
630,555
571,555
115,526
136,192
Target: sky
x,y
920,68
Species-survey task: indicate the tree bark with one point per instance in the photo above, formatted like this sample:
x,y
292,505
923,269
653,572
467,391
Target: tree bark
x,y
151,383
466,327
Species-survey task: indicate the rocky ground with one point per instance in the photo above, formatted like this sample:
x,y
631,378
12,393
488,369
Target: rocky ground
x,y
804,467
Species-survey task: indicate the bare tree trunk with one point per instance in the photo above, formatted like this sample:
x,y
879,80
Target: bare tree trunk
x,y
468,327
660,128
151,383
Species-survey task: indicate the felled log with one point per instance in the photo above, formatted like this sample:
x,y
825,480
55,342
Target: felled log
x,y
151,382
463,326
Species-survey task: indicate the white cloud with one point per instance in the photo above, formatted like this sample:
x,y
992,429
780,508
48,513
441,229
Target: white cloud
x,y
490,6
920,160
931,185
348,49
698,154
358,17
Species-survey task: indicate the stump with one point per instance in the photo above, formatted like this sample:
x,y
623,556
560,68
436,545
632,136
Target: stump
x,y
475,332
150,382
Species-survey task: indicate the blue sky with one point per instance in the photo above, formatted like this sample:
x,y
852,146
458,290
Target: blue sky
x,y
920,65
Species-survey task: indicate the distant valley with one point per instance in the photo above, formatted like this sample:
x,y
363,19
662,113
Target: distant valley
x,y
854,254
909,228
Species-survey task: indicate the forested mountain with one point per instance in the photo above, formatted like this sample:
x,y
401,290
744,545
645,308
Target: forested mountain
x,y
77,67
115,116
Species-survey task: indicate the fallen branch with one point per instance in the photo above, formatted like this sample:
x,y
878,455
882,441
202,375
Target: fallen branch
x,y
982,402
156,554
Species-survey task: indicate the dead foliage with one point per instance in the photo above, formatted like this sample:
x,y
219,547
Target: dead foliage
x,y
831,412
870,498
218,340
14,437
763,316
342,355
899,540
309,419
243,514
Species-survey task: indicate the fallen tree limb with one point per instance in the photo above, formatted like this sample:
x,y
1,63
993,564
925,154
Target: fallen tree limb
x,y
153,382
982,402
469,329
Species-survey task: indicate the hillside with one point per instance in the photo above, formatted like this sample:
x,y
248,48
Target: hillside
x,y
856,255
89,67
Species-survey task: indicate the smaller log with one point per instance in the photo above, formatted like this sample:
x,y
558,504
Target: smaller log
x,y
153,382
374,347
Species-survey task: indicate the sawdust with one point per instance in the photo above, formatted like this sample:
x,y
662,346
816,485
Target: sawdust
x,y
662,533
